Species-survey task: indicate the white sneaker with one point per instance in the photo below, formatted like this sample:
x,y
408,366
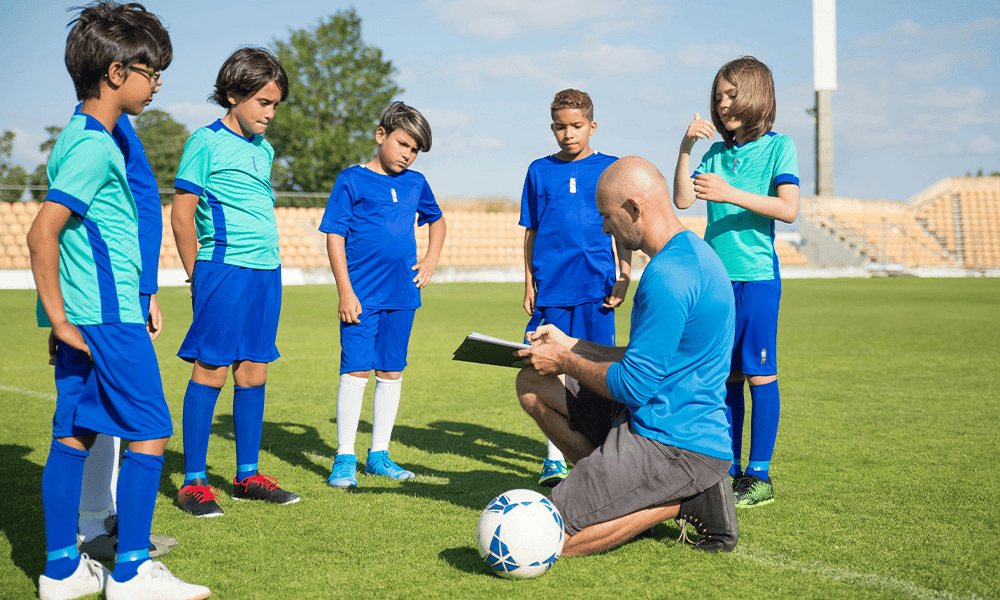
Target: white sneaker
x,y
90,577
155,582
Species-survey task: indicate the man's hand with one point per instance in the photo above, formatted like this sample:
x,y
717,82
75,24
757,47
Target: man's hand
x,y
154,325
550,334
548,358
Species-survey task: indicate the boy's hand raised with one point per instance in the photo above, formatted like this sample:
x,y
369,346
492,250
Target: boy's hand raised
x,y
349,308
698,129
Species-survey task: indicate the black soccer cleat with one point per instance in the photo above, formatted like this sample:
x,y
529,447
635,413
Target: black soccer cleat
x,y
198,498
713,514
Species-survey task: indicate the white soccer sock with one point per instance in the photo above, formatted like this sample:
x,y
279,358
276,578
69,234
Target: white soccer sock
x,y
387,392
554,453
350,396
100,479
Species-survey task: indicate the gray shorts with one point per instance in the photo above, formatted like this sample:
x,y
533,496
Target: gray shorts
x,y
628,473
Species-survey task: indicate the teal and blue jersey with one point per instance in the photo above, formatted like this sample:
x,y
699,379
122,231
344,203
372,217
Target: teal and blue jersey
x,y
572,261
673,375
375,215
99,260
743,239
231,175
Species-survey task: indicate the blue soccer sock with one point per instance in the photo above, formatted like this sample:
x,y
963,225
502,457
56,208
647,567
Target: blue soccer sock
x,y
734,402
62,480
138,483
763,427
248,419
199,410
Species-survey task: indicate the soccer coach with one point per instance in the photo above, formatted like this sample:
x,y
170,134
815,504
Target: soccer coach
x,y
645,425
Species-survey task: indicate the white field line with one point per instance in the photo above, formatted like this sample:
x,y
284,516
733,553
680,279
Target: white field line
x,y
17,390
871,580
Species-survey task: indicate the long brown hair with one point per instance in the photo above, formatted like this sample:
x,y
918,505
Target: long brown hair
x,y
754,103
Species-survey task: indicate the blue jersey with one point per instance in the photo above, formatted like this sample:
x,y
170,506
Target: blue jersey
x,y
375,213
673,376
743,239
146,193
572,260
99,261
231,175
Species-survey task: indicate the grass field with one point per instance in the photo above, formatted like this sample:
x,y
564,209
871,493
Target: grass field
x,y
886,467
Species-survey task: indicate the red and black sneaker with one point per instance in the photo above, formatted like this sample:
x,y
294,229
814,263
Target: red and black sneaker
x,y
198,498
262,487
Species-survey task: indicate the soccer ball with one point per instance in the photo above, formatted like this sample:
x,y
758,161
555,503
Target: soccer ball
x,y
520,534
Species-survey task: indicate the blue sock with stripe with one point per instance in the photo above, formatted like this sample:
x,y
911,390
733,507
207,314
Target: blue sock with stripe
x,y
763,427
248,419
199,411
735,404
138,483
62,480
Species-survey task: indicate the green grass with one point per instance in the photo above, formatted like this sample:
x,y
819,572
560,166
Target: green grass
x,y
885,469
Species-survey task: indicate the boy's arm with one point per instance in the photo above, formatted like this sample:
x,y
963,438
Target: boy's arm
x,y
43,246
425,266
617,295
185,233
154,324
712,188
529,276
699,129
349,307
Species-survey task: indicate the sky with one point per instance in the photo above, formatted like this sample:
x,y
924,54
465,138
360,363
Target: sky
x,y
918,96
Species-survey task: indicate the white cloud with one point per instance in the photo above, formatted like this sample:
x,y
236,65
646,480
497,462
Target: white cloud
x,y
653,96
25,151
485,142
194,114
446,119
697,57
500,19
607,61
982,145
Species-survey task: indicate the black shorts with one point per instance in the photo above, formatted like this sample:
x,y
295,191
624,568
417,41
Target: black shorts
x,y
627,472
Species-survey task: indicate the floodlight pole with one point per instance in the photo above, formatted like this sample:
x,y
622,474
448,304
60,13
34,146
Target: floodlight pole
x,y
824,82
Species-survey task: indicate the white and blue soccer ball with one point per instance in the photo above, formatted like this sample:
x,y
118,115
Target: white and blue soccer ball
x,y
520,534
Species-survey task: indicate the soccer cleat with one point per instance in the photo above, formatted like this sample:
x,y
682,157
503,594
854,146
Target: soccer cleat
x,y
198,498
90,577
713,514
345,472
262,487
155,582
105,545
379,463
753,491
553,472
734,480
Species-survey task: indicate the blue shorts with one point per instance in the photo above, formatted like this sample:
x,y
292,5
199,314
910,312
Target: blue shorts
x,y
119,393
591,322
379,341
755,350
236,314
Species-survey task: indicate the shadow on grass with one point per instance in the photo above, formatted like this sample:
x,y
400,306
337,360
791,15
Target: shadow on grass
x,y
23,521
465,559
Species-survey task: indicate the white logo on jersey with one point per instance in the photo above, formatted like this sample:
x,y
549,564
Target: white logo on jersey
x,y
763,356
393,194
572,185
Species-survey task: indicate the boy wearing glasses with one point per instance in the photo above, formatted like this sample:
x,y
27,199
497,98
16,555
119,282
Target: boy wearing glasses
x,y
85,259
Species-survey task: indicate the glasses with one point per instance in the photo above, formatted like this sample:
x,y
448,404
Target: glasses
x,y
154,76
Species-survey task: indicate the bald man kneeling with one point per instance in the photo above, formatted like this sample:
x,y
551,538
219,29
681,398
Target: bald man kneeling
x,y
645,424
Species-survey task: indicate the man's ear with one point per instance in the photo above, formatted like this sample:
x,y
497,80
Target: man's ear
x,y
633,209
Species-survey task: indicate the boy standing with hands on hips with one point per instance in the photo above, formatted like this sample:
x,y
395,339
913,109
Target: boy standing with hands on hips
x,y
373,254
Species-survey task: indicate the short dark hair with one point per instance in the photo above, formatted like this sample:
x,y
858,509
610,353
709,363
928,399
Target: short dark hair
x,y
573,99
106,32
754,103
246,72
400,116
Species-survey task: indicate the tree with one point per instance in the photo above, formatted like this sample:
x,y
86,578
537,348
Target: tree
x,y
164,139
40,178
6,149
10,174
338,86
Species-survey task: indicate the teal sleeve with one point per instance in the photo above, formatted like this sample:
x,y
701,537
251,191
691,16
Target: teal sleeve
x,y
786,162
79,174
196,165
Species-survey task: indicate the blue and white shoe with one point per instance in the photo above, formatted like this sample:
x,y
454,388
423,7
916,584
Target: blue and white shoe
x,y
379,463
345,472
553,473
